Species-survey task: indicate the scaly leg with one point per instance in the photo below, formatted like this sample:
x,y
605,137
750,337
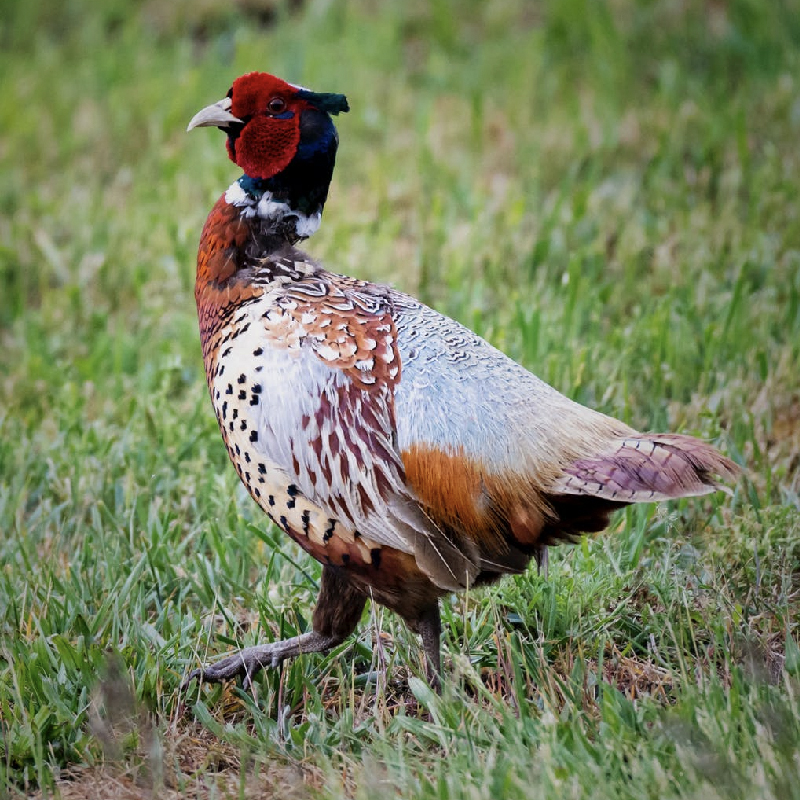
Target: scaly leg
x,y
336,615
429,627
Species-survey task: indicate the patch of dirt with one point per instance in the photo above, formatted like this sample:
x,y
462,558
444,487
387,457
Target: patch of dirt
x,y
635,677
191,763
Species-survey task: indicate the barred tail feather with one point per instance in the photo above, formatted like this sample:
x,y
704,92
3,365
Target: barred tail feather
x,y
649,467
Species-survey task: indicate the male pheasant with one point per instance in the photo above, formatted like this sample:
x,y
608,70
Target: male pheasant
x,y
399,449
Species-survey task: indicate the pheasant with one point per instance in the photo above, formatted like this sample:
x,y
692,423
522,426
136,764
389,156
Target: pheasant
x,y
395,446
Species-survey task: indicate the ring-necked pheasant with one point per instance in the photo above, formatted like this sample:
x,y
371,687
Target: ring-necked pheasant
x,y
399,449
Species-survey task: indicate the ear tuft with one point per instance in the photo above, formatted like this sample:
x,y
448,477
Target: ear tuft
x,y
326,101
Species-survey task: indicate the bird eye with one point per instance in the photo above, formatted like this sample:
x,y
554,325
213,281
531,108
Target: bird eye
x,y
276,105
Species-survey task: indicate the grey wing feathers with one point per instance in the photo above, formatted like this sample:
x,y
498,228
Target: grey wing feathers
x,y
460,392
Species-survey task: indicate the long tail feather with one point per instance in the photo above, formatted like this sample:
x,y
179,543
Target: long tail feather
x,y
649,467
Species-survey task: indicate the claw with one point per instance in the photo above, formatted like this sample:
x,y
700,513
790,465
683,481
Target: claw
x,y
195,673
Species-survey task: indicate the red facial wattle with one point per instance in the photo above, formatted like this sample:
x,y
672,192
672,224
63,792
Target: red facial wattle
x,y
266,145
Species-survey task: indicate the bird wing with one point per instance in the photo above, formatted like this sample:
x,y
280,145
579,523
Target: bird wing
x,y
327,416
492,450
484,440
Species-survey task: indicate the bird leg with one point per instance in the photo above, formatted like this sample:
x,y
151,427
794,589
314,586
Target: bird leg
x,y
429,626
336,615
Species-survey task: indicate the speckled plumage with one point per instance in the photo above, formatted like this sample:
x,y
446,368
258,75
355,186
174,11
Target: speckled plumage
x,y
394,445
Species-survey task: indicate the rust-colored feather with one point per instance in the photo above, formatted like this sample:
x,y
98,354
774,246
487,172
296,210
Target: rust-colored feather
x,y
500,517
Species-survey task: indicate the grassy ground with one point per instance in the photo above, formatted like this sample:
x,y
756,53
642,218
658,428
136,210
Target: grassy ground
x,y
607,191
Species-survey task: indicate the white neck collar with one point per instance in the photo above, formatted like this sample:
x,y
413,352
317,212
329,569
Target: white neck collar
x,y
271,210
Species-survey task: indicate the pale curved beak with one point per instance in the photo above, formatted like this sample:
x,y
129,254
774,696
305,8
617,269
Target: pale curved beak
x,y
217,115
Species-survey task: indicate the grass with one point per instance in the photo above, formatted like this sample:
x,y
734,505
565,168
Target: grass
x,y
607,191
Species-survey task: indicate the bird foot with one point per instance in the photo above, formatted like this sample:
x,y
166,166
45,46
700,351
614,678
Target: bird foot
x,y
247,663
251,660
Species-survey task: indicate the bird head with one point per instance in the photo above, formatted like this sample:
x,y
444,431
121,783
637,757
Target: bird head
x,y
271,123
